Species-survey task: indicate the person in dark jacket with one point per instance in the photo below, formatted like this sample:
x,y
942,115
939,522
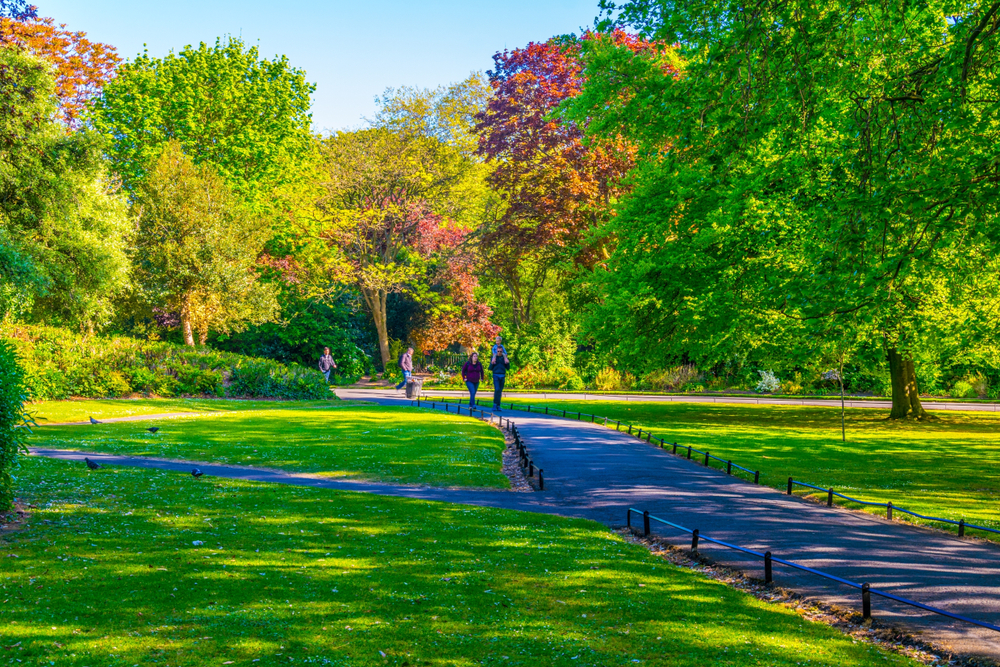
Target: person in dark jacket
x,y
326,364
499,365
406,365
472,374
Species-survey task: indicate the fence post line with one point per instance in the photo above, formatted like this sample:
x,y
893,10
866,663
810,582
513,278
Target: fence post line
x,y
630,429
768,578
789,486
675,448
829,497
694,540
961,528
546,409
756,477
592,418
729,467
866,601
645,523
888,510
618,425
689,452
649,436
706,458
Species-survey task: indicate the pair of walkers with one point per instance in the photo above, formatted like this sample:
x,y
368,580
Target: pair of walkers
x,y
473,373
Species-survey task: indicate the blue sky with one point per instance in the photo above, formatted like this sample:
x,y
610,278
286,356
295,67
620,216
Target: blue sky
x,y
351,50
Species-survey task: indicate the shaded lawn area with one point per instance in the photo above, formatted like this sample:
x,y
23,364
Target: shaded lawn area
x,y
945,467
359,441
108,572
55,412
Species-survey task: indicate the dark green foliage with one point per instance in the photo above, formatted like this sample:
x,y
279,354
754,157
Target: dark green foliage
x,y
14,423
59,364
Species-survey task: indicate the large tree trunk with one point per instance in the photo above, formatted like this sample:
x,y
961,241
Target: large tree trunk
x,y
376,304
186,327
905,397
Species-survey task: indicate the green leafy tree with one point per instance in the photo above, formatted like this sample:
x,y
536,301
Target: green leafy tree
x,y
63,227
815,167
15,423
197,248
247,116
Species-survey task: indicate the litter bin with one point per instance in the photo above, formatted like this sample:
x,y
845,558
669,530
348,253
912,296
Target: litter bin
x,y
413,387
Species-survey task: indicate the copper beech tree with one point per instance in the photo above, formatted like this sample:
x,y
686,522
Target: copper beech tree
x,y
555,185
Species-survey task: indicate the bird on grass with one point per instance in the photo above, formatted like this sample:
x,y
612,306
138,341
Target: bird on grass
x,y
196,473
93,465
94,421
153,429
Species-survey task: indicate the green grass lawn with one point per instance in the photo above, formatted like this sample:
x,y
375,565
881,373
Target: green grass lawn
x,y
109,571
945,467
348,440
54,412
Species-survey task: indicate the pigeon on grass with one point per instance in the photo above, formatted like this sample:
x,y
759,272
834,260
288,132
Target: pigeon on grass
x,y
196,473
93,465
153,429
94,421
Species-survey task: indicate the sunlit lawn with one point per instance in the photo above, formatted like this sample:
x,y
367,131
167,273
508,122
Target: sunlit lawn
x,y
107,571
54,412
944,467
336,439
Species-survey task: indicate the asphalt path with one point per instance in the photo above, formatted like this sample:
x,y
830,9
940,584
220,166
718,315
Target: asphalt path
x,y
596,473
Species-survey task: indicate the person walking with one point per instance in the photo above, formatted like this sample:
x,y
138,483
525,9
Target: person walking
x,y
499,365
326,364
472,374
406,363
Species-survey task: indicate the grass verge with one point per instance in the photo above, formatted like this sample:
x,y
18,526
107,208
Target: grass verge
x,y
55,412
129,566
943,467
355,441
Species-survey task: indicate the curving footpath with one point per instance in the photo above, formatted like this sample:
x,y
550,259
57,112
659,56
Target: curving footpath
x,y
596,473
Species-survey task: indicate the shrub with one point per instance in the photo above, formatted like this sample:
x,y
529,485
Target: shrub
x,y
669,379
980,384
14,423
608,379
963,389
59,364
768,383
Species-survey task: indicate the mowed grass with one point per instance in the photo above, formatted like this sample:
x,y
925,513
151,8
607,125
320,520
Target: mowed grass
x,y
55,412
944,467
107,571
355,441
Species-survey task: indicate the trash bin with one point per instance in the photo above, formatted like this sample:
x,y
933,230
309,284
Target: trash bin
x,y
413,387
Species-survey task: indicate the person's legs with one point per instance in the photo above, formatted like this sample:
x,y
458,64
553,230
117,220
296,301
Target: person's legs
x,y
498,381
473,386
406,378
326,374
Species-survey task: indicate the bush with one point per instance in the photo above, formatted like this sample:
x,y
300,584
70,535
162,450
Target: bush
x,y
963,389
59,364
669,379
13,421
768,383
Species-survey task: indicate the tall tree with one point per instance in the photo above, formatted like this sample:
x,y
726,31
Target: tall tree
x,y
82,67
196,249
63,228
224,104
815,163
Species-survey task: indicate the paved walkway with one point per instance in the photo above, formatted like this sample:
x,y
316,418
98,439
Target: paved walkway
x,y
596,473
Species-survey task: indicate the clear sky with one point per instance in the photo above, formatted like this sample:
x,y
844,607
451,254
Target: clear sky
x,y
352,51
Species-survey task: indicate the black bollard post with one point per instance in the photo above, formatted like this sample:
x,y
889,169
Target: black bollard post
x,y
630,429
829,498
689,452
789,486
729,467
888,510
756,477
768,578
866,601
628,518
541,481
531,468
645,523
649,436
706,459
694,540
961,528
675,448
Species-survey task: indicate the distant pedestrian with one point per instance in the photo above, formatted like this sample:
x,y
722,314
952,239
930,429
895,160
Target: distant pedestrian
x,y
472,374
499,364
326,364
406,364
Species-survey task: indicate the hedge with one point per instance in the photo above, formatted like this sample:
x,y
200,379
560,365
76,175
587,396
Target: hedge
x,y
59,364
13,422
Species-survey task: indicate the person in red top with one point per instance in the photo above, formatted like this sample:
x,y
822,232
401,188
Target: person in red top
x,y
472,374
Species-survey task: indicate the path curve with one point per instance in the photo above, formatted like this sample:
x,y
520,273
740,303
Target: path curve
x,y
596,473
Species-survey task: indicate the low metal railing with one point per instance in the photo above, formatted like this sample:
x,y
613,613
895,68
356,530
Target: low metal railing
x,y
769,560
526,462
